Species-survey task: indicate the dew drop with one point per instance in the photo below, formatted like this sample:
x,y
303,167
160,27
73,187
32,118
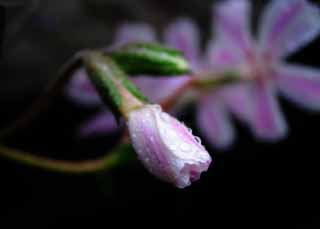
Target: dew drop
x,y
198,140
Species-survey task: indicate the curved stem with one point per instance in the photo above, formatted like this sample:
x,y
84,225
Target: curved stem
x,y
107,161
202,81
43,102
216,79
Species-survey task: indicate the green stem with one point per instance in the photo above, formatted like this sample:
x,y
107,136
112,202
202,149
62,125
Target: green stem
x,y
108,161
212,80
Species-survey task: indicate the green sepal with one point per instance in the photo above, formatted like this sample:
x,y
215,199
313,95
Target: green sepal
x,y
153,59
112,84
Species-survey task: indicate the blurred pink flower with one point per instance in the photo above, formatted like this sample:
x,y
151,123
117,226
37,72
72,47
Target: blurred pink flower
x,y
286,26
183,34
166,147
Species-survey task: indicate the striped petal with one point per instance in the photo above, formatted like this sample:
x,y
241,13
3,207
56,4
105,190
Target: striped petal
x,y
222,56
232,23
159,89
237,100
267,120
300,85
184,35
214,122
287,25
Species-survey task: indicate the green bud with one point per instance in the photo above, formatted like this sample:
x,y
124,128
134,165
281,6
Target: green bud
x,y
153,59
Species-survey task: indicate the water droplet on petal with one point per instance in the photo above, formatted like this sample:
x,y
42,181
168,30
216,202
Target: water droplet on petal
x,y
198,140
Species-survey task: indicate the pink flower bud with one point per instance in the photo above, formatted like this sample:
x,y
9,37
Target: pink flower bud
x,y
166,147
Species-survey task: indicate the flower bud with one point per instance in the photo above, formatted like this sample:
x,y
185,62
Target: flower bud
x,y
153,59
166,147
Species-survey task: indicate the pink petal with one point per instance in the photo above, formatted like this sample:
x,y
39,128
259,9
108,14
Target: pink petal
x,y
184,35
159,89
166,147
214,122
287,25
81,91
237,100
222,56
102,123
300,85
134,32
267,120
232,24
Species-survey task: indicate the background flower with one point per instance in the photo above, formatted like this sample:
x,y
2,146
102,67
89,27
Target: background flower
x,y
213,106
285,27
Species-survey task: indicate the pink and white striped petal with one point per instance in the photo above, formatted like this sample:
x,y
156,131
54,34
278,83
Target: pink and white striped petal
x,y
214,122
232,24
287,25
161,88
166,147
300,85
267,120
237,100
222,56
183,34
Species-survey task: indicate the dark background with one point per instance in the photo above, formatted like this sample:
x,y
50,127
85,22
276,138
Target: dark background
x,y
253,185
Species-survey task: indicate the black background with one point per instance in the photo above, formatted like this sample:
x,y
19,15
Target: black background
x,y
253,185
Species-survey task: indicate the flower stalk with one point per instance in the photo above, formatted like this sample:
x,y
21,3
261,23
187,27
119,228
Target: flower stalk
x,y
121,154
